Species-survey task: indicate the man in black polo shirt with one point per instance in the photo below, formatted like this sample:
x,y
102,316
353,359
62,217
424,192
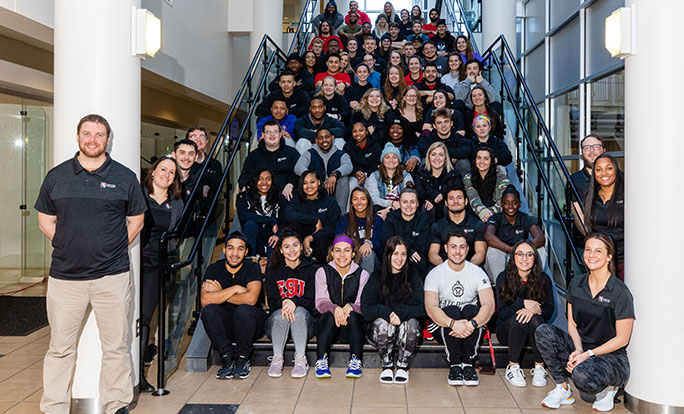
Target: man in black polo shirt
x,y
212,181
458,219
92,208
230,312
185,154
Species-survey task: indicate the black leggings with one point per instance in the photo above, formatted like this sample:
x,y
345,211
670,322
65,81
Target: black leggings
x,y
459,350
516,334
327,334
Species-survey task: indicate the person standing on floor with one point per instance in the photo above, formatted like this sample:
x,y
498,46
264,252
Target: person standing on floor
x,y
92,208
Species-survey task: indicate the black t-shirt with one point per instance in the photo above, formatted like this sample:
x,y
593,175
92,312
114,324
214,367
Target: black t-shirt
x,y
581,179
91,236
616,232
157,221
512,233
595,317
471,226
249,272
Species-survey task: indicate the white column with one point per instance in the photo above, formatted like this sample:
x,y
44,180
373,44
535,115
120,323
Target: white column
x,y
267,19
653,246
95,73
498,17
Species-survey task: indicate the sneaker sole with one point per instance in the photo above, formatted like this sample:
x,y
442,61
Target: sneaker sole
x,y
353,376
323,376
523,385
243,376
224,377
471,383
301,375
539,384
566,401
455,382
275,375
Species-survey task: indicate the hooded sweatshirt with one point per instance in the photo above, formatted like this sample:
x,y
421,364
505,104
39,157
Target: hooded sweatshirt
x,y
306,128
297,103
281,162
366,159
459,147
298,285
416,232
324,208
374,306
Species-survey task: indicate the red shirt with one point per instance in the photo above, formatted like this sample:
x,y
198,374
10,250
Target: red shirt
x,y
340,77
429,27
410,81
476,114
325,42
363,17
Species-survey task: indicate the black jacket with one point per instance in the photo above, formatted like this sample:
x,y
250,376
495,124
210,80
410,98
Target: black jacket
x,y
429,186
365,159
324,208
495,117
304,76
281,162
305,128
297,103
298,285
506,310
338,105
248,212
355,91
459,147
416,232
500,149
380,125
373,306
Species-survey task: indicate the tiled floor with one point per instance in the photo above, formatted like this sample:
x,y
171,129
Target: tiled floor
x,y
426,392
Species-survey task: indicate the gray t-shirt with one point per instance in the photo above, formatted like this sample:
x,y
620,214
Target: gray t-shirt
x,y
457,288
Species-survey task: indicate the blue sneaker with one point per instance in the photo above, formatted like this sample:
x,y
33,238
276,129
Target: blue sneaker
x,y
355,367
322,370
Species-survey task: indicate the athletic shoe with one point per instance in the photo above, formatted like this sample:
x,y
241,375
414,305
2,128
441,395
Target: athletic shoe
x,y
301,367
515,376
538,376
455,375
387,376
470,375
401,376
275,369
321,367
557,397
427,335
227,367
354,368
605,399
242,367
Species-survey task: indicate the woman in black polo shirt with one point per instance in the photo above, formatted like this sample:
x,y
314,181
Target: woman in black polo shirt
x,y
162,189
524,300
604,206
600,321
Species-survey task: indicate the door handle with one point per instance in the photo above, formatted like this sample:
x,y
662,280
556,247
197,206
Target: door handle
x,y
22,206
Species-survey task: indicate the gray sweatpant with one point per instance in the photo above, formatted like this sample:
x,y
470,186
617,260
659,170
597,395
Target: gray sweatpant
x,y
592,375
385,337
301,329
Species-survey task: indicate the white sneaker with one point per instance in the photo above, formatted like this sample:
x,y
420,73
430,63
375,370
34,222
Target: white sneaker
x,y
538,376
605,399
387,376
515,376
557,397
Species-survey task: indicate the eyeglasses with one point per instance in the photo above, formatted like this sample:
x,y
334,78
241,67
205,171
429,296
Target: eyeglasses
x,y
522,255
595,147
201,136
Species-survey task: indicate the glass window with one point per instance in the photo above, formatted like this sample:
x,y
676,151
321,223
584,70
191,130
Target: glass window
x,y
534,72
565,56
534,22
597,57
565,126
561,10
608,110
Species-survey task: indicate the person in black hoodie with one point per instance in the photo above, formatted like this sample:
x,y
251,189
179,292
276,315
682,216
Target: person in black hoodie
x,y
291,291
307,126
413,227
297,99
433,180
364,152
336,105
303,78
359,86
279,157
392,302
459,147
313,214
482,126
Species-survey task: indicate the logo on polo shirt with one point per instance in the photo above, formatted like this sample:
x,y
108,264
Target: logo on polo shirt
x,y
168,206
322,210
468,230
601,299
281,159
107,185
415,233
519,231
457,289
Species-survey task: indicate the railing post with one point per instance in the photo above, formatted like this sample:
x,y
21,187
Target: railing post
x,y
161,318
540,195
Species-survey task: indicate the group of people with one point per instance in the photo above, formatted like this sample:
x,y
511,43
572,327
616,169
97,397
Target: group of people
x,y
377,201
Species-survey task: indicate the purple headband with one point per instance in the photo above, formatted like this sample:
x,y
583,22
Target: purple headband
x,y
477,118
343,239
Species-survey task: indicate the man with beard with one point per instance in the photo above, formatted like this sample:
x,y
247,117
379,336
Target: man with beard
x,y
430,56
230,309
592,147
458,219
430,29
306,127
431,81
212,181
351,29
459,300
185,154
92,208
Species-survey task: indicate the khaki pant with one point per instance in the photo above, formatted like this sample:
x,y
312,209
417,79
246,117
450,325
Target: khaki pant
x,y
68,306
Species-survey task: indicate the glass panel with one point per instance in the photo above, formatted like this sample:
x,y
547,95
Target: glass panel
x,y
608,110
565,56
565,126
534,72
34,169
11,184
597,56
535,10
561,10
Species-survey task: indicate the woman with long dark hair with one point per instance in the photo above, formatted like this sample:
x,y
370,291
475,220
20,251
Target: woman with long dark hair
x,y
485,184
455,72
309,60
600,320
604,206
392,302
363,226
260,211
481,106
524,297
465,49
415,74
162,190
291,291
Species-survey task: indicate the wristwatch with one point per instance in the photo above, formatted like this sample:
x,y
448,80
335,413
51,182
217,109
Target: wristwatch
x,y
474,322
591,353
336,174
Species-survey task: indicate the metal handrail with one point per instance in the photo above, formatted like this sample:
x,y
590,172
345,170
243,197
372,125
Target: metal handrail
x,y
300,25
463,22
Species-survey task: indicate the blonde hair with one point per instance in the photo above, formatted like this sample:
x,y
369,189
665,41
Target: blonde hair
x,y
366,110
447,160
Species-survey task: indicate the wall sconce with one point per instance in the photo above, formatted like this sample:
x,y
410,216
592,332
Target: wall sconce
x,y
620,32
146,33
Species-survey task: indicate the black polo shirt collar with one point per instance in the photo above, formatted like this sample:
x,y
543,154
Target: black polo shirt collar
x,y
610,285
102,171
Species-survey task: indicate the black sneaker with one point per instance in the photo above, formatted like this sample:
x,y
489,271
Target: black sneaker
x,y
150,353
122,410
227,367
455,375
470,375
242,367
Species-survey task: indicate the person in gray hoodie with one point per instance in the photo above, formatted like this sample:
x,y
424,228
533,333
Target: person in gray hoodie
x,y
331,15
